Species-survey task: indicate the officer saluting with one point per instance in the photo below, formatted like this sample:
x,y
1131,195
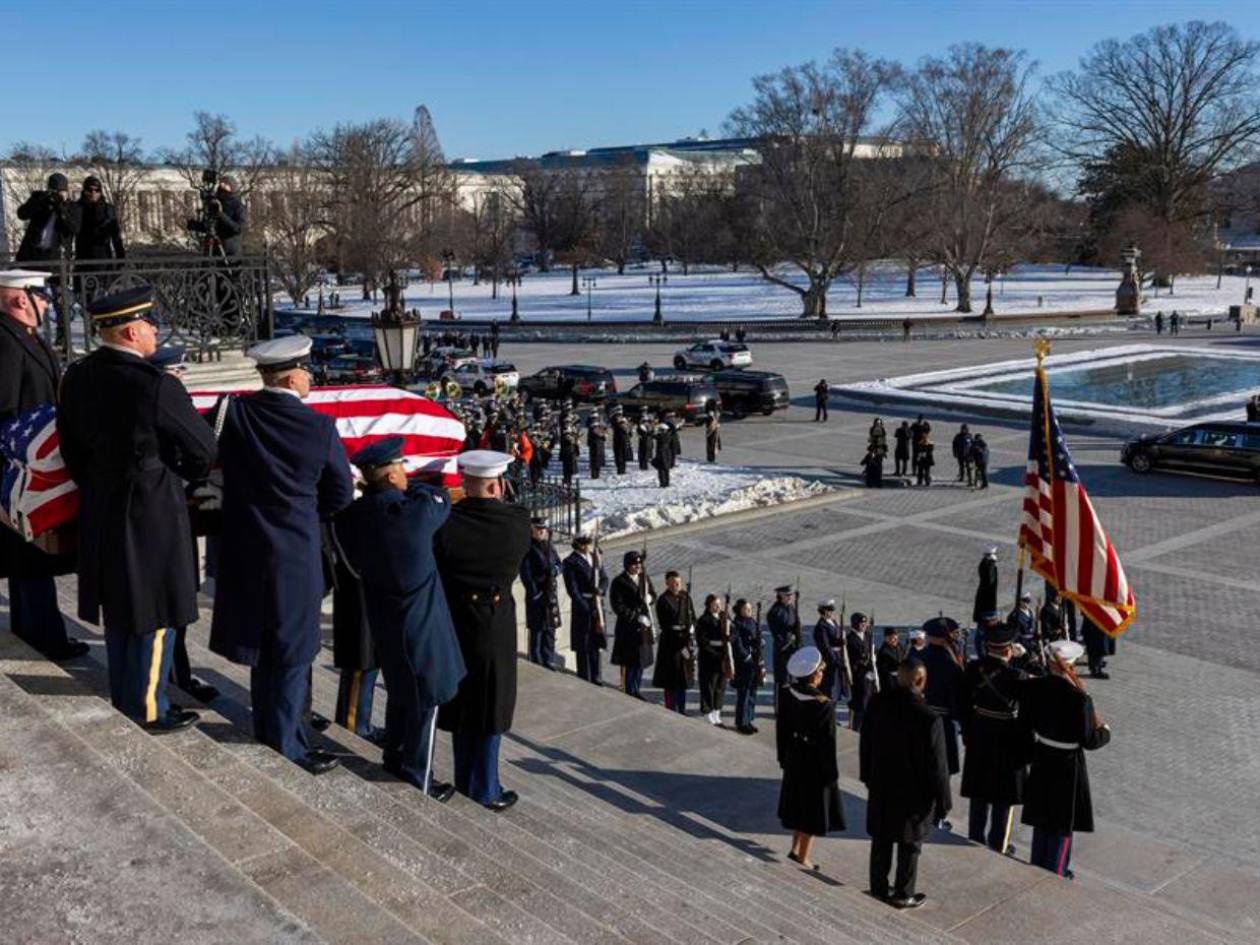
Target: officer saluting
x,y
130,436
385,538
31,374
284,470
479,552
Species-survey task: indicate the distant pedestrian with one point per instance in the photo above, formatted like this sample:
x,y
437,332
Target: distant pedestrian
x,y
962,445
924,464
1159,323
1174,323
821,392
905,329
901,453
712,435
919,431
980,460
873,468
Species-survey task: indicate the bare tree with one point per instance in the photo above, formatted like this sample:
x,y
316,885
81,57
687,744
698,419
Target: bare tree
x,y
559,207
485,235
290,213
214,145
688,218
971,112
810,121
623,211
118,160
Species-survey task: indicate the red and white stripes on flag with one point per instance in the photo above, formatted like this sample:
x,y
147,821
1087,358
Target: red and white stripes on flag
x,y
432,436
1061,531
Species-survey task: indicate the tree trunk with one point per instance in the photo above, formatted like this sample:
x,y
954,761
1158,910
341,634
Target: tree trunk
x,y
574,289
944,286
861,281
621,267
911,286
494,286
962,285
815,300
686,268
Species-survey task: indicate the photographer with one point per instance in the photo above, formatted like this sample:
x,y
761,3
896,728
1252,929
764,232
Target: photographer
x,y
222,217
99,236
53,222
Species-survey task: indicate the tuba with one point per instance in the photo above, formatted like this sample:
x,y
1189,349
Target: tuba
x,y
500,386
452,390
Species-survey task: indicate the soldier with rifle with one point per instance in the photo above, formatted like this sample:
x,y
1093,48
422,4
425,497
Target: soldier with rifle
x,y
749,669
539,573
829,639
944,678
784,622
711,637
859,654
632,596
674,671
587,582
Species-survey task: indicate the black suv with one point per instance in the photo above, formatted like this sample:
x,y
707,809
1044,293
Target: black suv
x,y
583,382
689,399
744,392
1228,448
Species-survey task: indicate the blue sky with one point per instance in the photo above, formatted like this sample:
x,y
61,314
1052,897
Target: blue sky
x,y
500,78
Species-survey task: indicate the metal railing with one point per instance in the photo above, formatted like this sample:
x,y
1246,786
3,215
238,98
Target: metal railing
x,y
207,304
550,497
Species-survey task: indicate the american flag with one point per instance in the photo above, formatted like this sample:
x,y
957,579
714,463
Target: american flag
x,y
38,493
1059,527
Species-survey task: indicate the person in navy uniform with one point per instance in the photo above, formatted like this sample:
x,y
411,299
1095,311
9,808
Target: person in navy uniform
x,y
1064,725
586,582
30,374
860,649
902,762
888,657
631,597
987,586
385,540
131,437
785,634
998,743
540,572
829,640
284,470
746,655
805,737
944,680
479,552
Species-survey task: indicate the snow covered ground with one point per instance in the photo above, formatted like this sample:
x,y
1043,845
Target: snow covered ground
x,y
624,505
714,293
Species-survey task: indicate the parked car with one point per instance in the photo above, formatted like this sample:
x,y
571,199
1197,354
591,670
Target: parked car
x,y
327,347
444,359
744,392
480,378
505,370
583,382
1227,448
350,369
688,398
714,355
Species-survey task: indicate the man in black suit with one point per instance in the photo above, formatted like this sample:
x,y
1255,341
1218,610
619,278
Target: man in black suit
x,y
29,377
131,437
284,470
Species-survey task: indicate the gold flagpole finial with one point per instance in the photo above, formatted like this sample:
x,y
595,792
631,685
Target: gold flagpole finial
x,y
1041,348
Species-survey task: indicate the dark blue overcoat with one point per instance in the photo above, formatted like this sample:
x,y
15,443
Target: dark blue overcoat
x,y
284,470
387,538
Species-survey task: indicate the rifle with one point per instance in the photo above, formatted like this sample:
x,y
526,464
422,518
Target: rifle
x,y
874,667
724,625
597,605
689,651
551,590
761,663
796,630
845,667
648,610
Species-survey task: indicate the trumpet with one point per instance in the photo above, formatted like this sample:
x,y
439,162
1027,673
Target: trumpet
x,y
500,386
453,390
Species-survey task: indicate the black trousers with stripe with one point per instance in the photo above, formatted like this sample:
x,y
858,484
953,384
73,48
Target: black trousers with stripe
x,y
139,665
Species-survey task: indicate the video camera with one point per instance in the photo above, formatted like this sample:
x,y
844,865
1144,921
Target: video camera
x,y
209,193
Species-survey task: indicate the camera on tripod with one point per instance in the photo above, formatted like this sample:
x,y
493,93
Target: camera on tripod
x,y
211,206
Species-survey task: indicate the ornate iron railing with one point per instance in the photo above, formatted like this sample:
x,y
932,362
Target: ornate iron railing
x,y
551,498
207,304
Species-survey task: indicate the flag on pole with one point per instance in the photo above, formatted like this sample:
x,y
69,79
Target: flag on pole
x,y
1060,529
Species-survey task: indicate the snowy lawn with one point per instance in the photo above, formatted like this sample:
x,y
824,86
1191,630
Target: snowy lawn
x,y
624,505
714,293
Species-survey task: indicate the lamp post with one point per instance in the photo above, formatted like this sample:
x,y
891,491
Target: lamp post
x,y
1247,285
395,332
448,258
514,275
588,282
657,281
988,293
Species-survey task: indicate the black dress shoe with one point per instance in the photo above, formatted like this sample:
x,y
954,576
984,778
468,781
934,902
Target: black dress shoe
x,y
320,722
319,762
72,649
908,902
506,800
376,737
442,791
200,690
175,720
1100,675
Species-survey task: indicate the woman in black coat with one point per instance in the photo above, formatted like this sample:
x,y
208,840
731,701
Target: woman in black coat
x,y
805,732
712,645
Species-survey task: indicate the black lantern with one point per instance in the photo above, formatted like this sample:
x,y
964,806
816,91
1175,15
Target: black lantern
x,y
396,333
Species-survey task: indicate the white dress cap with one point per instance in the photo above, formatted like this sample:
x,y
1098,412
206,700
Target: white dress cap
x,y
803,663
483,464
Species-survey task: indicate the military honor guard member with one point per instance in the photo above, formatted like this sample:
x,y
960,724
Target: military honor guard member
x,y
902,763
888,657
829,640
479,552
631,597
711,649
675,667
540,576
30,374
131,437
998,743
284,471
354,654
663,457
805,736
586,582
746,657
386,540
1065,725
783,622
987,588
861,666
944,679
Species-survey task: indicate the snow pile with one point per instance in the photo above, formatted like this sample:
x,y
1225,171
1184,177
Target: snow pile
x,y
623,505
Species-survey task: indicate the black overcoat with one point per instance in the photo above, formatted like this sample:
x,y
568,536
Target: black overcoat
x,y
986,590
99,235
540,572
829,639
902,763
633,643
674,667
784,637
38,208
745,651
944,680
479,552
386,539
711,648
352,631
130,437
586,585
29,377
1056,794
805,735
998,741
284,470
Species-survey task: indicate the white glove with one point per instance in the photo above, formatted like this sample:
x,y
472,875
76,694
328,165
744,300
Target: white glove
x,y
209,497
645,621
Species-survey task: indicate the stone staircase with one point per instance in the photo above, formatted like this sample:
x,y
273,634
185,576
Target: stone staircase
x,y
634,826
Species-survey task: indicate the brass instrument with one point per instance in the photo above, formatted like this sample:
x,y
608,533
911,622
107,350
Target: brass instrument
x,y
452,390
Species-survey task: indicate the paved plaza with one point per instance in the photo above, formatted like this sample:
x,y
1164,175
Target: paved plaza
x,y
1174,791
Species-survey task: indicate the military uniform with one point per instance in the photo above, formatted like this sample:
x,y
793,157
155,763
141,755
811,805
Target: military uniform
x,y
645,430
829,638
284,470
621,442
675,655
595,438
633,644
663,454
746,657
586,582
479,552
540,570
944,678
130,437
810,800
785,637
862,668
712,436
887,658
